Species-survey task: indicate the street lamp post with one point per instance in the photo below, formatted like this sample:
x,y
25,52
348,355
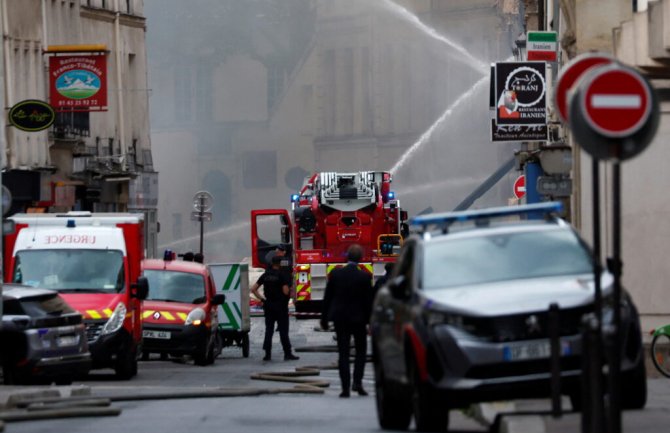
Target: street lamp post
x,y
202,203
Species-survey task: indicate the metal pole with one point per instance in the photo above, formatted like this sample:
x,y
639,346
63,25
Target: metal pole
x,y
592,396
615,265
202,222
555,341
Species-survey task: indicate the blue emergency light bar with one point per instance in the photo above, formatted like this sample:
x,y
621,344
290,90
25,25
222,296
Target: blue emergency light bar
x,y
391,195
446,218
295,198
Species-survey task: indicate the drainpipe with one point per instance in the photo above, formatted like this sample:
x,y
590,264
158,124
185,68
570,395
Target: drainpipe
x,y
45,45
9,97
119,99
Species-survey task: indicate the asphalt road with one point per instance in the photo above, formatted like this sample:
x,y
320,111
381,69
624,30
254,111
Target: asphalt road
x,y
284,411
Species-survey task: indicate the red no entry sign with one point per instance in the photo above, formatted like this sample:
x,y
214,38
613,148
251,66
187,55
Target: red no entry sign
x,y
570,74
617,102
614,112
520,186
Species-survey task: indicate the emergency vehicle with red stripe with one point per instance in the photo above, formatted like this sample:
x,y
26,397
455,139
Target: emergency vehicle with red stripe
x,y
93,261
331,212
180,313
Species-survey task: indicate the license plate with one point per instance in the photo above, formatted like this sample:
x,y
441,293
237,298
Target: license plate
x,y
532,350
67,341
163,335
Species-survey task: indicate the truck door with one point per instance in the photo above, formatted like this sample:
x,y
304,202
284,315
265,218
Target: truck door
x,y
269,228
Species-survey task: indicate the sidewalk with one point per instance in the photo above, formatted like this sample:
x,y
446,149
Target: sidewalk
x,y
653,419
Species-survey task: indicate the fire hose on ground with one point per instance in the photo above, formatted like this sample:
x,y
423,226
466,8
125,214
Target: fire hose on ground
x,y
43,406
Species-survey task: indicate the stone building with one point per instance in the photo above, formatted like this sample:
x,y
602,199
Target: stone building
x,y
636,33
366,82
99,160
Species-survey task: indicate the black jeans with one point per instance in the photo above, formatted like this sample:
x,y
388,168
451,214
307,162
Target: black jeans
x,y
344,331
279,315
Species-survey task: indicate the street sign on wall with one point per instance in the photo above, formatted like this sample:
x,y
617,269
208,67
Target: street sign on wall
x,y
554,186
502,133
31,115
542,46
78,82
521,93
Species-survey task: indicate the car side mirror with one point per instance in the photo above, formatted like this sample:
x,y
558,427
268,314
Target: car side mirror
x,y
219,299
398,287
140,289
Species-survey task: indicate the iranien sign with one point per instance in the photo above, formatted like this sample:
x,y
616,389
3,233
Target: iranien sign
x,y
542,46
521,93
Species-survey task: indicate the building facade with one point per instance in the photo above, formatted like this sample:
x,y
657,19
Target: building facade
x,y
99,160
365,84
636,33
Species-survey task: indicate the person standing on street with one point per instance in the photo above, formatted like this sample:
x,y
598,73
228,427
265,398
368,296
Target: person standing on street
x,y
348,303
388,267
275,308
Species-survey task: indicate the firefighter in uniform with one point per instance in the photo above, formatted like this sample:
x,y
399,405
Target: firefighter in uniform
x,y
276,285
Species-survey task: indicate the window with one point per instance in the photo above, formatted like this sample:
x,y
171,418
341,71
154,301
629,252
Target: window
x,y
260,169
504,257
176,286
183,94
71,270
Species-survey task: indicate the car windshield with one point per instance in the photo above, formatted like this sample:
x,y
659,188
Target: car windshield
x,y
504,256
71,270
37,306
175,286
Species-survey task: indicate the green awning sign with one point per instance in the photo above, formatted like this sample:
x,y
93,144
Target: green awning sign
x,y
32,115
542,46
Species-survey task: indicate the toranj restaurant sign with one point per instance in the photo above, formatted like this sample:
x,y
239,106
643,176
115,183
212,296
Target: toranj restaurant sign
x,y
78,83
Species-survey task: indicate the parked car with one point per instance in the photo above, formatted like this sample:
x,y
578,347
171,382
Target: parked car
x,y
42,339
463,317
180,313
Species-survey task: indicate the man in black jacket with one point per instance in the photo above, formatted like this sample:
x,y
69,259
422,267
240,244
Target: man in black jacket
x,y
348,303
276,285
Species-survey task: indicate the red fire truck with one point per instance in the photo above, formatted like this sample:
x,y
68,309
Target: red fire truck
x,y
330,212
93,261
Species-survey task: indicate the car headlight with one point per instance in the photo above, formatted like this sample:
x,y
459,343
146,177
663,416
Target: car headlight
x,y
195,317
436,318
115,321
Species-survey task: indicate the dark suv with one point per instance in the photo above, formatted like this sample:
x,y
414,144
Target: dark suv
x,y
42,338
464,316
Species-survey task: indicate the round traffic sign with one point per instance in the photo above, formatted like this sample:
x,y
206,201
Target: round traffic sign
x,y
616,102
570,74
202,201
614,112
520,186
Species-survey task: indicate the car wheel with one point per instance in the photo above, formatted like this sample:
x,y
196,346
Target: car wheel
x,y
126,364
634,387
10,375
429,406
576,400
63,380
394,411
205,355
245,344
660,353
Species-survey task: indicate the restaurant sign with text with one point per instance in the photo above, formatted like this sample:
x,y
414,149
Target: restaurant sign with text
x,y
78,83
500,133
521,93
